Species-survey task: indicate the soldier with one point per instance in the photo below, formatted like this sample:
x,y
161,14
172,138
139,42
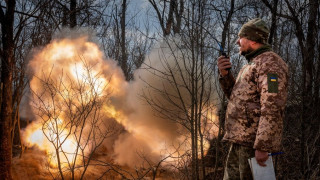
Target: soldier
x,y
257,98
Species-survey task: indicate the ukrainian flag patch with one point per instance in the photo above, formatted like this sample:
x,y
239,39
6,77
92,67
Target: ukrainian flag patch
x,y
272,83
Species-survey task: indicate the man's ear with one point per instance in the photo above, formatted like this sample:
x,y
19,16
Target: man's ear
x,y
252,43
255,44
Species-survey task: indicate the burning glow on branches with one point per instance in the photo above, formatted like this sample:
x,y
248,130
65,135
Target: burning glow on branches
x,y
71,82
75,89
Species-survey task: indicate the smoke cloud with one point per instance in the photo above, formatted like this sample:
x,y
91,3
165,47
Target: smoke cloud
x,y
145,132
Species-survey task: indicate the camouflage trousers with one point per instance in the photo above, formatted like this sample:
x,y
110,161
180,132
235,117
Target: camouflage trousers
x,y
237,165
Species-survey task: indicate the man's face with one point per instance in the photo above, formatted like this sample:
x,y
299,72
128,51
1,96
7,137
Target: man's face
x,y
244,45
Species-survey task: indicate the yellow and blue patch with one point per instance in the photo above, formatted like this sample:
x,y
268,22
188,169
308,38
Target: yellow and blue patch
x,y
272,83
273,79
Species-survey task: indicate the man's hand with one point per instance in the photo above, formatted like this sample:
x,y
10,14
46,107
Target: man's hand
x,y
223,65
261,157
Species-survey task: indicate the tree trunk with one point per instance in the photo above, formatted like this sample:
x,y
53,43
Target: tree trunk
x,y
308,97
226,24
307,46
173,10
124,57
73,13
273,21
308,55
178,15
225,31
7,62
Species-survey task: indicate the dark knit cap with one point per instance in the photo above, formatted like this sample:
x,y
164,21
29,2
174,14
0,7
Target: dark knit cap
x,y
255,30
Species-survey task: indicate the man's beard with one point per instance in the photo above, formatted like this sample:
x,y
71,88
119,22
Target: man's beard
x,y
249,50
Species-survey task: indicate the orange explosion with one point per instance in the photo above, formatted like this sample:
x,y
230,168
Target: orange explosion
x,y
71,91
75,93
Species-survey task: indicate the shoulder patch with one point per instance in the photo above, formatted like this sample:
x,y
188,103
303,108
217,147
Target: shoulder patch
x,y
272,83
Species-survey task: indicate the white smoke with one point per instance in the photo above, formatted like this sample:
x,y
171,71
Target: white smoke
x,y
158,94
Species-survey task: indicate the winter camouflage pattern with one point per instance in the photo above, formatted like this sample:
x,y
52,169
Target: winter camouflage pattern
x,y
237,166
256,105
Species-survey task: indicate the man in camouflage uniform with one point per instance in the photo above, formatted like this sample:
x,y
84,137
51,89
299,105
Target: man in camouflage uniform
x,y
257,98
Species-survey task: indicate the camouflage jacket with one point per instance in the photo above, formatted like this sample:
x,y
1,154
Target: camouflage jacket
x,y
257,100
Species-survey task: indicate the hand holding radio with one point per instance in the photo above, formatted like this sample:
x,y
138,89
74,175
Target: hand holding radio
x,y
224,65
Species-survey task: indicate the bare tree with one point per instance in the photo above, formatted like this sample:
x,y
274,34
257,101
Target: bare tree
x,y
297,14
294,35
7,68
124,57
225,41
169,15
125,39
73,13
187,91
71,113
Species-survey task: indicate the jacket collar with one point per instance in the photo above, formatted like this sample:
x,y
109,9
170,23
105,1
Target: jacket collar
x,y
258,51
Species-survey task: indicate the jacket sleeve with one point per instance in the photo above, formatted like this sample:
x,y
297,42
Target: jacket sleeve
x,y
272,80
227,83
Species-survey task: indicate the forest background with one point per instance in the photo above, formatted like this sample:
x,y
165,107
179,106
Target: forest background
x,y
128,31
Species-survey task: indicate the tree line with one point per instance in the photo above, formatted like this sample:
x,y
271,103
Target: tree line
x,y
188,28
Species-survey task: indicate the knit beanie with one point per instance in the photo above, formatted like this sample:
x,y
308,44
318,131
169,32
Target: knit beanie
x,y
255,30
